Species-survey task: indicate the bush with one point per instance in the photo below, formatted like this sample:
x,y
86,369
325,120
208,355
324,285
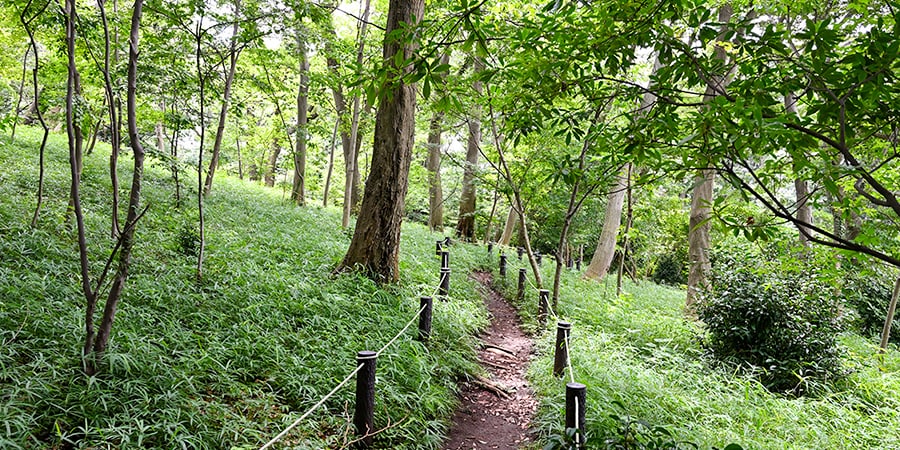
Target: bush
x,y
870,296
671,269
783,325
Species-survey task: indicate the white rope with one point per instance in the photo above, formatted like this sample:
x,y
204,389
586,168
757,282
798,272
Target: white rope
x,y
316,406
569,358
344,382
403,330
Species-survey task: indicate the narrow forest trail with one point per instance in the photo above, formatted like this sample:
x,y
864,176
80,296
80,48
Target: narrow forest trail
x,y
496,412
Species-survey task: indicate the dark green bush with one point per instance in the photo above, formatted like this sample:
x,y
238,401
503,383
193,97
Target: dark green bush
x,y
870,296
780,324
671,269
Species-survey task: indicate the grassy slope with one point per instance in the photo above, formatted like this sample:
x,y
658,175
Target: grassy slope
x,y
638,351
226,362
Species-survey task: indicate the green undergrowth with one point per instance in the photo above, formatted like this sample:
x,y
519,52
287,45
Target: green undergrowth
x,y
229,361
640,359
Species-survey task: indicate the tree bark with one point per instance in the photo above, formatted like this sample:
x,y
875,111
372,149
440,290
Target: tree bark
x,y
226,99
465,226
298,191
351,163
273,163
330,169
801,187
510,227
375,247
701,198
606,245
433,165
134,202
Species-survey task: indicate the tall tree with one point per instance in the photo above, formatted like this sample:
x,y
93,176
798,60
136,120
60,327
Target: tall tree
x,y
298,190
465,226
375,247
702,194
351,163
233,52
433,165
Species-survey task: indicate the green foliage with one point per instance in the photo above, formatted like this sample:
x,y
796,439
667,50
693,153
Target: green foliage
x,y
783,325
671,269
869,295
230,360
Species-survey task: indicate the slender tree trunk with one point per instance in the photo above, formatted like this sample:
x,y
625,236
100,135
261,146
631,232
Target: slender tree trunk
x,y
114,127
490,221
237,144
330,170
375,247
201,81
26,24
273,163
625,243
465,227
298,192
701,198
801,187
433,165
226,99
350,160
12,135
134,202
510,227
889,318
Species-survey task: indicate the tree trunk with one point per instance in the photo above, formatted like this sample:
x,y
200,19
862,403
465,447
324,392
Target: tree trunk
x,y
226,99
606,245
330,169
801,187
701,198
510,227
26,24
12,135
298,191
273,163
134,202
351,163
375,247
433,165
465,227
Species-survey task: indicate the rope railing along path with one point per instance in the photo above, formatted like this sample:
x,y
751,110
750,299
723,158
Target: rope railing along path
x,y
367,361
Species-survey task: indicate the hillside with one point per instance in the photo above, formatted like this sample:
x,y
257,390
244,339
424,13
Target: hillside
x,y
228,361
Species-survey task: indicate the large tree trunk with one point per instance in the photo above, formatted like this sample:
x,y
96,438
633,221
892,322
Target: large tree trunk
x,y
298,192
465,227
606,245
375,247
272,164
226,99
701,198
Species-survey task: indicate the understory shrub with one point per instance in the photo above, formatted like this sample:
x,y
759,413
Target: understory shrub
x,y
870,297
671,269
782,325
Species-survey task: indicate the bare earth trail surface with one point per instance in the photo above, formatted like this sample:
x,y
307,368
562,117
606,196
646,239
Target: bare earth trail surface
x,y
495,411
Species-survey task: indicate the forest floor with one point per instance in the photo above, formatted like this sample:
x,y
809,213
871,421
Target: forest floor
x,y
495,412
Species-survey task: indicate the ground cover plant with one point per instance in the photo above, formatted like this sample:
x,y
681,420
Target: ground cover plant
x,y
642,362
231,360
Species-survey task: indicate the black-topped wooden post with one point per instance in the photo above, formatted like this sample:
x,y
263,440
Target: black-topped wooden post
x,y
519,251
576,394
490,248
523,274
364,416
543,305
444,288
438,246
561,353
503,265
445,259
537,256
425,304
578,264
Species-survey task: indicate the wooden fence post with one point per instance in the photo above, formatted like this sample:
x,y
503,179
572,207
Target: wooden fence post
x,y
576,394
445,259
503,265
543,305
523,274
364,415
425,304
561,352
444,288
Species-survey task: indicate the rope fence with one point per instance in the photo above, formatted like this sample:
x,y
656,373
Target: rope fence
x,y
365,370
576,393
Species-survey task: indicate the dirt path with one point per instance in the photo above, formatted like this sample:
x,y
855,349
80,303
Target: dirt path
x,y
495,413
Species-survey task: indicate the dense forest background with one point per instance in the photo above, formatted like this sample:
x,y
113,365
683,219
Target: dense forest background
x,y
193,192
